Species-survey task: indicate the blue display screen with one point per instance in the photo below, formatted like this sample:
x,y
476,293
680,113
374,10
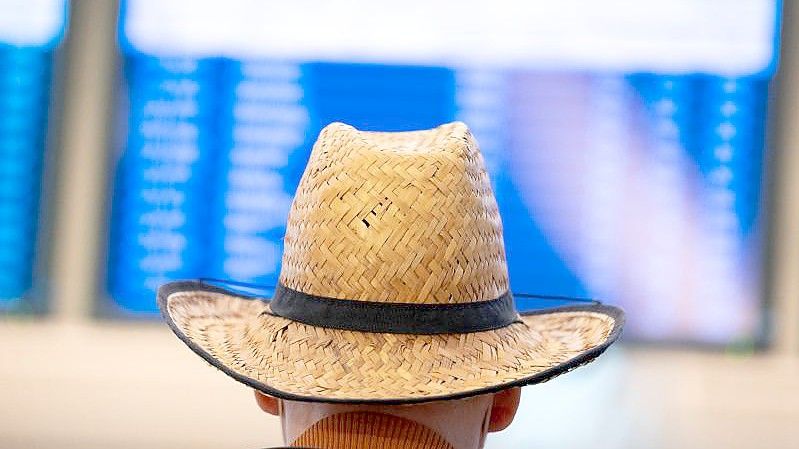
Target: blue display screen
x,y
28,38
639,187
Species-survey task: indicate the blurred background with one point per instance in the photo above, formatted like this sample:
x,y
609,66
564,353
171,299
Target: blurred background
x,y
643,153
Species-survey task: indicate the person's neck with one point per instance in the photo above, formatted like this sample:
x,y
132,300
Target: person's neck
x,y
370,430
462,423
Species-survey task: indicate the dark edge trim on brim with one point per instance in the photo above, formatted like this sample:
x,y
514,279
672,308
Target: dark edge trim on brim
x,y
583,358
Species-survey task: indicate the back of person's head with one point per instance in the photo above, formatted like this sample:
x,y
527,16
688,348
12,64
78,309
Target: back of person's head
x,y
453,424
393,324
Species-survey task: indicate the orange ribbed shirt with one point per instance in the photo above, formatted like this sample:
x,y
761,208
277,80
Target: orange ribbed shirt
x,y
368,430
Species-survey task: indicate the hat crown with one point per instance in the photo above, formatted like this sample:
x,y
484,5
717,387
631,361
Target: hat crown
x,y
406,217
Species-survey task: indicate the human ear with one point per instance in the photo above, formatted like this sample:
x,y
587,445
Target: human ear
x,y
506,402
268,403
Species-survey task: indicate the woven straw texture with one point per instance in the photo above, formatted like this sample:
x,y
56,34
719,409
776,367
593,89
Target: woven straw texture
x,y
392,217
395,217
365,430
308,362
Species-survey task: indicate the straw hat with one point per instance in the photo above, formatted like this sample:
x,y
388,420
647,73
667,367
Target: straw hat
x,y
394,286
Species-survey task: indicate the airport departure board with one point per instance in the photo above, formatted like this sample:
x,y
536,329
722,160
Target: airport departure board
x,y
626,145
30,31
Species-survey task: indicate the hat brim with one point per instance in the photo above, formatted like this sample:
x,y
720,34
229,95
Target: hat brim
x,y
291,360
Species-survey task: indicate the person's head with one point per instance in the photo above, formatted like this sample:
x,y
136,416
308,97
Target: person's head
x,y
463,423
393,289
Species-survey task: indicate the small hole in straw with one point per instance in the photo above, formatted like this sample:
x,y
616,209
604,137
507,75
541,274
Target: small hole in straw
x,y
365,222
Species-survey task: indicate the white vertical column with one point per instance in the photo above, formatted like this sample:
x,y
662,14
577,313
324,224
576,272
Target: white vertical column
x,y
81,183
784,266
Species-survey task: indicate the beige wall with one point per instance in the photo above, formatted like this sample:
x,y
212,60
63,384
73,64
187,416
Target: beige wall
x,y
127,385
70,381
